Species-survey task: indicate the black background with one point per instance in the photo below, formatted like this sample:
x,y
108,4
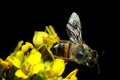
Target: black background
x,y
19,20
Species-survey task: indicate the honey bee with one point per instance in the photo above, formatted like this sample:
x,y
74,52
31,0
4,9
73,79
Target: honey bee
x,y
75,49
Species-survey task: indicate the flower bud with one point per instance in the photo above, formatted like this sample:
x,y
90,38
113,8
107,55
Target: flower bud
x,y
26,47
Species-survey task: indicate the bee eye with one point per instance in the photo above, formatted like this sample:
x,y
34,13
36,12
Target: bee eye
x,y
94,53
79,54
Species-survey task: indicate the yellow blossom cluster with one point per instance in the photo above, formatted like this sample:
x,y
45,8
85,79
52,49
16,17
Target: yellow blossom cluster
x,y
27,61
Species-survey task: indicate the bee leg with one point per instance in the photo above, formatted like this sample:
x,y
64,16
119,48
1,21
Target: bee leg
x,y
50,52
66,59
58,57
40,46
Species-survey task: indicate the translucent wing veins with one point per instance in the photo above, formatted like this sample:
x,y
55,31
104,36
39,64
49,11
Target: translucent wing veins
x,y
73,28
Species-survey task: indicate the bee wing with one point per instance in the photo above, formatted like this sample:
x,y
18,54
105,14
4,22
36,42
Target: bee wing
x,y
73,28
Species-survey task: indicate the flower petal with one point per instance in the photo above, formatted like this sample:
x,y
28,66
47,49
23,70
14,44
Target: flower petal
x,y
72,76
38,68
26,46
38,38
16,62
20,55
34,57
58,66
18,46
20,74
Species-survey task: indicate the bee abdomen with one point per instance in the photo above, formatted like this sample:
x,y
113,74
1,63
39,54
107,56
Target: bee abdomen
x,y
61,49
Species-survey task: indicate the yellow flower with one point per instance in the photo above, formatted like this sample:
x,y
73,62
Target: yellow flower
x,y
47,39
30,65
72,75
55,69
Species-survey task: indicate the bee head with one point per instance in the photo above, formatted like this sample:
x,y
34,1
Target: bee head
x,y
91,59
85,56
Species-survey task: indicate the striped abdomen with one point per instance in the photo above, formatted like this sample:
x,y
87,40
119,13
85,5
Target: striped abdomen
x,y
61,49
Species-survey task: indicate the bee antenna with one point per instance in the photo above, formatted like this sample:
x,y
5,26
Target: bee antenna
x,y
98,68
98,65
103,52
